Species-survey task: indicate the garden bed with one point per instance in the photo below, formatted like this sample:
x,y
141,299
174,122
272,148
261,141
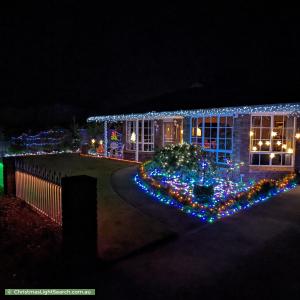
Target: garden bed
x,y
185,177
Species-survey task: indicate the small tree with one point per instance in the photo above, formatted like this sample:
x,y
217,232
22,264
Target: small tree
x,y
75,134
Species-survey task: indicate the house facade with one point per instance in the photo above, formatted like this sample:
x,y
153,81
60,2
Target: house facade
x,y
265,138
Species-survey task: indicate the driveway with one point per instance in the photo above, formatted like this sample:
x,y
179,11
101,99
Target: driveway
x,y
255,253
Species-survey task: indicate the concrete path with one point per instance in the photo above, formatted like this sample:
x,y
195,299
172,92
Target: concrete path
x,y
206,254
175,220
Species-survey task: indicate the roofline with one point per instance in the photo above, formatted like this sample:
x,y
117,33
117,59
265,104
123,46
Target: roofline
x,y
293,108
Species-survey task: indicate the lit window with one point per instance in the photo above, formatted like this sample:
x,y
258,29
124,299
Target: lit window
x,y
272,140
145,138
214,134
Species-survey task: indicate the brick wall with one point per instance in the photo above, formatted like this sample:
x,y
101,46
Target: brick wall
x,y
186,129
241,140
158,135
143,156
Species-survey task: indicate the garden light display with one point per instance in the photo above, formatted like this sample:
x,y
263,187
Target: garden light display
x,y
175,186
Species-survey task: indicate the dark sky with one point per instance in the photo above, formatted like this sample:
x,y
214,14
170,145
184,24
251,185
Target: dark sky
x,y
60,58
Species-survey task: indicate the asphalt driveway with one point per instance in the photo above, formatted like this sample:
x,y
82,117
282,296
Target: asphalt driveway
x,y
255,253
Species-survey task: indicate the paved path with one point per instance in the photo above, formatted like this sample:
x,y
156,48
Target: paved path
x,y
205,254
175,220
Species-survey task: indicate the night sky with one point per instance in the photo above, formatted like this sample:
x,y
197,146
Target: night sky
x,y
59,59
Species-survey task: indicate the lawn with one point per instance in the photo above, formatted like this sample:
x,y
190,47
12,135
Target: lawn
x,y
122,228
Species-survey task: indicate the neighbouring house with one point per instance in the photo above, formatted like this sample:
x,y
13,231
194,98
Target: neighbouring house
x,y
48,140
265,137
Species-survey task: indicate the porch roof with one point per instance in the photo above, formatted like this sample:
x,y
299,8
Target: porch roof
x,y
293,108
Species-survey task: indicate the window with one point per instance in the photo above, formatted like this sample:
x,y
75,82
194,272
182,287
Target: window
x,y
145,136
272,140
214,134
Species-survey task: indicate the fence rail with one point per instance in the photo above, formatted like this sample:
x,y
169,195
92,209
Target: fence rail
x,y
37,171
41,194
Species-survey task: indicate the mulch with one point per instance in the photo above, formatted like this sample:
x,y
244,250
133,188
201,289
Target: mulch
x,y
30,246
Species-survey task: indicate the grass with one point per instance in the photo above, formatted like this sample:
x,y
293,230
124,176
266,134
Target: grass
x,y
122,228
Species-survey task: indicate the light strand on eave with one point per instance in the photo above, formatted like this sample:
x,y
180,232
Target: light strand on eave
x,y
293,108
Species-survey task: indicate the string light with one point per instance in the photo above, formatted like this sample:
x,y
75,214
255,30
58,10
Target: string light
x,y
171,190
176,188
292,108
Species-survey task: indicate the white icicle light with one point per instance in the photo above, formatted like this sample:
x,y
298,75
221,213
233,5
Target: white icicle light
x,y
292,108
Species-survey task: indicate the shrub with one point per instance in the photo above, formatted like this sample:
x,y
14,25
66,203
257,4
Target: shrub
x,y
267,187
203,193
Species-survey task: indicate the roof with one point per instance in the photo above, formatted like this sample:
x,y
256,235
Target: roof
x,y
293,108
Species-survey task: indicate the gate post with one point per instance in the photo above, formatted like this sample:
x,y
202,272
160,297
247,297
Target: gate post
x,y
79,219
9,176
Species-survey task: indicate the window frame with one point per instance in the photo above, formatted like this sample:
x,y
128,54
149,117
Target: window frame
x,y
141,138
281,153
217,151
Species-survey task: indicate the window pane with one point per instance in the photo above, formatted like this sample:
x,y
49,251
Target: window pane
x,y
213,144
278,121
264,159
222,132
276,145
222,121
288,122
266,121
228,132
266,133
287,159
206,143
256,133
255,159
228,144
214,121
229,121
222,144
214,132
265,145
276,160
255,144
256,121
207,132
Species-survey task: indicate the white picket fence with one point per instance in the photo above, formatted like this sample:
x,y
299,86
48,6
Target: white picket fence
x,y
41,194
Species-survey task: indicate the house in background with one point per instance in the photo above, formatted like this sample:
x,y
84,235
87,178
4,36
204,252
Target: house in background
x,y
265,137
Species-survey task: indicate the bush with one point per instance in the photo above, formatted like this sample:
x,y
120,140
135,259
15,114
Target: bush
x,y
203,193
267,187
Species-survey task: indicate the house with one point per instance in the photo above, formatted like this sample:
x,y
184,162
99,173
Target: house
x,y
266,138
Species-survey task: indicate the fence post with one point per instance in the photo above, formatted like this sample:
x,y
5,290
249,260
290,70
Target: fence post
x,y
9,176
79,218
